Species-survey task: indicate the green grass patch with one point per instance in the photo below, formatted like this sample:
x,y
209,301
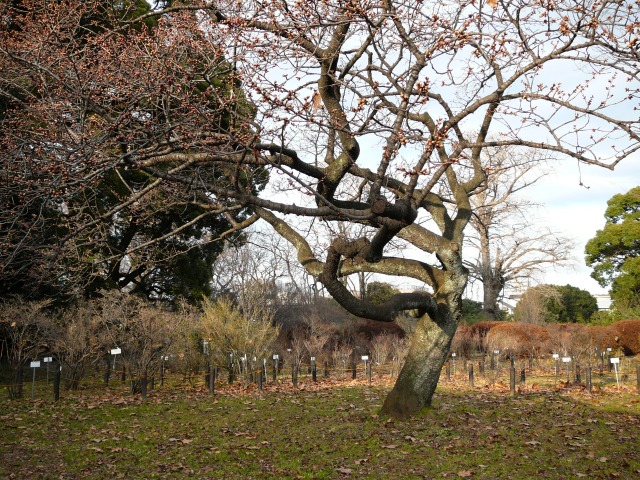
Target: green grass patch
x,y
332,433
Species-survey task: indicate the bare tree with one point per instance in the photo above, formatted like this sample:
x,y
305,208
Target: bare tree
x,y
532,306
23,325
76,339
510,249
239,334
142,332
387,90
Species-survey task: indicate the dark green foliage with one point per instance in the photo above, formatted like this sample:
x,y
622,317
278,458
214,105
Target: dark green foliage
x,y
555,303
380,292
471,311
614,252
573,305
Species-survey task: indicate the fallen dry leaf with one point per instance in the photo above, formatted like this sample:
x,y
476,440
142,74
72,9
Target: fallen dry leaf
x,y
465,473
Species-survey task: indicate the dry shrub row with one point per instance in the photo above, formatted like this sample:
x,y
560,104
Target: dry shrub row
x,y
530,339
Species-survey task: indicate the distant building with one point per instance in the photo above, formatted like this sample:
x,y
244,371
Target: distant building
x,y
604,301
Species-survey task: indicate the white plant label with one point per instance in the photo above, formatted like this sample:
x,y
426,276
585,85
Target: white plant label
x,y
35,364
116,351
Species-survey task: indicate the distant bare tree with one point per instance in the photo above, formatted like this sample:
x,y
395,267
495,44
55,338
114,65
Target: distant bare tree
x,y
381,348
509,247
317,337
532,306
236,332
143,333
76,339
22,324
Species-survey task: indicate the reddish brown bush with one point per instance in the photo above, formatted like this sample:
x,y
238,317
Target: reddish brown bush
x,y
481,329
517,338
561,337
627,336
462,342
602,337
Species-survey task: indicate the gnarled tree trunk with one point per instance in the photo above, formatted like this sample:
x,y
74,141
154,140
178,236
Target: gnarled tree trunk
x,y
428,352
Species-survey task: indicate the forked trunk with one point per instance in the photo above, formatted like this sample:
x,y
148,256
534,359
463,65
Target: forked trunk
x,y
419,376
492,286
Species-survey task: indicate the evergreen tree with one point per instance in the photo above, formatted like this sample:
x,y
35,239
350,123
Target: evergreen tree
x,y
614,252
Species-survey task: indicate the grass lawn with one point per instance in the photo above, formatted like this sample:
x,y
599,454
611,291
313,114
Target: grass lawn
x,y
328,430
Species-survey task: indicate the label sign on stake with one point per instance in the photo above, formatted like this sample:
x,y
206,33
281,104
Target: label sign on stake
x,y
615,361
566,359
555,356
365,357
114,352
34,365
47,360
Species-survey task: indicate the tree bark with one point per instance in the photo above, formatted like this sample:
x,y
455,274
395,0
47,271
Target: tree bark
x,y
420,374
492,286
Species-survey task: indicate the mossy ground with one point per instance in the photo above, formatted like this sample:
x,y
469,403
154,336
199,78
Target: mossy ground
x,y
324,430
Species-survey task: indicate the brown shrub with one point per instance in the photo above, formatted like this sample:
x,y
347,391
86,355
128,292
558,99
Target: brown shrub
x,y
561,337
518,338
462,343
602,337
627,336
481,329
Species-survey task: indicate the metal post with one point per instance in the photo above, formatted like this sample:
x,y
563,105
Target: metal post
x,y
56,383
512,377
33,385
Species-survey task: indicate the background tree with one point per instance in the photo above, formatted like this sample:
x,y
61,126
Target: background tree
x,y
573,305
555,304
509,247
76,339
532,305
372,112
23,331
136,234
144,332
473,311
231,331
614,252
380,292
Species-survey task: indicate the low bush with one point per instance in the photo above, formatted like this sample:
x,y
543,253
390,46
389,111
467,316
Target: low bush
x,y
627,336
520,339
